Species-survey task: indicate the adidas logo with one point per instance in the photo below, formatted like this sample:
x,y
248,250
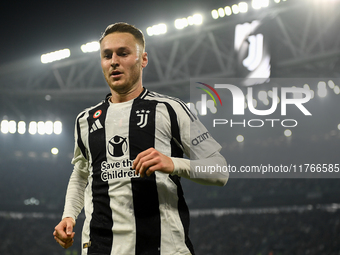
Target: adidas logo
x,y
95,126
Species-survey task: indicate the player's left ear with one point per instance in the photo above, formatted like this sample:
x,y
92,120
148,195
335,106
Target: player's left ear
x,y
144,59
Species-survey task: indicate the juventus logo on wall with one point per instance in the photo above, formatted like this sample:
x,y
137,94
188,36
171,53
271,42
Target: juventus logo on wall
x,y
143,115
253,58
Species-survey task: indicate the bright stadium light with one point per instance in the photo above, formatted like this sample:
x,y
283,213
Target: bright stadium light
x,y
270,94
54,151
337,90
235,8
196,19
32,128
41,128
157,29
54,56
339,126
240,138
21,127
228,10
221,12
12,127
181,23
322,90
4,127
262,95
331,84
90,47
48,127
243,7
57,127
214,14
258,4
287,133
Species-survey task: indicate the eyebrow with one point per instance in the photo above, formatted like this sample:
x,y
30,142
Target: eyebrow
x,y
119,49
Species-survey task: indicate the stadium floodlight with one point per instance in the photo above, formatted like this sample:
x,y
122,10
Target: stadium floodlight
x,y
339,126
243,7
157,29
21,127
57,127
240,138
287,133
32,128
90,47
277,1
48,127
181,23
331,84
262,95
235,8
196,19
12,127
214,14
41,128
258,4
306,86
221,12
4,127
336,89
54,151
190,20
55,56
270,93
322,91
228,10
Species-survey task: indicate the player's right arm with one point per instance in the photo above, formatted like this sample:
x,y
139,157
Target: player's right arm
x,y
74,200
74,203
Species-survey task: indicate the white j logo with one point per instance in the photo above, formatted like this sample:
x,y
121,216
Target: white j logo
x,y
143,118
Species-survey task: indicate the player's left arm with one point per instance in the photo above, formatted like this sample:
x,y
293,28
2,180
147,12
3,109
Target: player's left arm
x,y
151,160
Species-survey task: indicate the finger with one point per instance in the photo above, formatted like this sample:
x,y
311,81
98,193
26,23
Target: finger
x,y
147,164
61,235
143,161
139,156
69,228
65,244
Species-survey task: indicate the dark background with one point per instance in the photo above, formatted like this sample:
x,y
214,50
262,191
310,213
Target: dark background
x,y
247,216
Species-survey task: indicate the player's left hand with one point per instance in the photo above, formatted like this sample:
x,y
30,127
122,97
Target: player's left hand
x,y
151,160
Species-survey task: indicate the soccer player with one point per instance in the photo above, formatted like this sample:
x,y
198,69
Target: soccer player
x,y
128,160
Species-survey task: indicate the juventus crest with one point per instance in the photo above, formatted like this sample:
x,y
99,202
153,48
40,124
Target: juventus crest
x,y
143,115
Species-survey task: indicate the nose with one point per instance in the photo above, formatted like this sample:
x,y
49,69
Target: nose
x,y
114,61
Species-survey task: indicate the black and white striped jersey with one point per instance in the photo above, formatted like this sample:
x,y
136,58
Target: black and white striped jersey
x,y
126,214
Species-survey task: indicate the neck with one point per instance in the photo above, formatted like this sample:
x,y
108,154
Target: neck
x,y
120,97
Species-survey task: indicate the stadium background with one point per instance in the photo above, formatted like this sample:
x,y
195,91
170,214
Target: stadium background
x,y
247,216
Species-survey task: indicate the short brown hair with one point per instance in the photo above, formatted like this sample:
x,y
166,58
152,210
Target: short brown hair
x,y
122,27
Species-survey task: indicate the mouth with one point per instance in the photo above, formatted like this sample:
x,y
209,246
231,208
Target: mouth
x,y
115,74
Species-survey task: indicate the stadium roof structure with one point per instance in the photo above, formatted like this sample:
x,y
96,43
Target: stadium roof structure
x,y
304,38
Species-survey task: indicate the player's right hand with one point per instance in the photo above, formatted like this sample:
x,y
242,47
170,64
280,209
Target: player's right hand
x,y
63,232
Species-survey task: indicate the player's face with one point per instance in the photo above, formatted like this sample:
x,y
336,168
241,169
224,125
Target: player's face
x,y
122,61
